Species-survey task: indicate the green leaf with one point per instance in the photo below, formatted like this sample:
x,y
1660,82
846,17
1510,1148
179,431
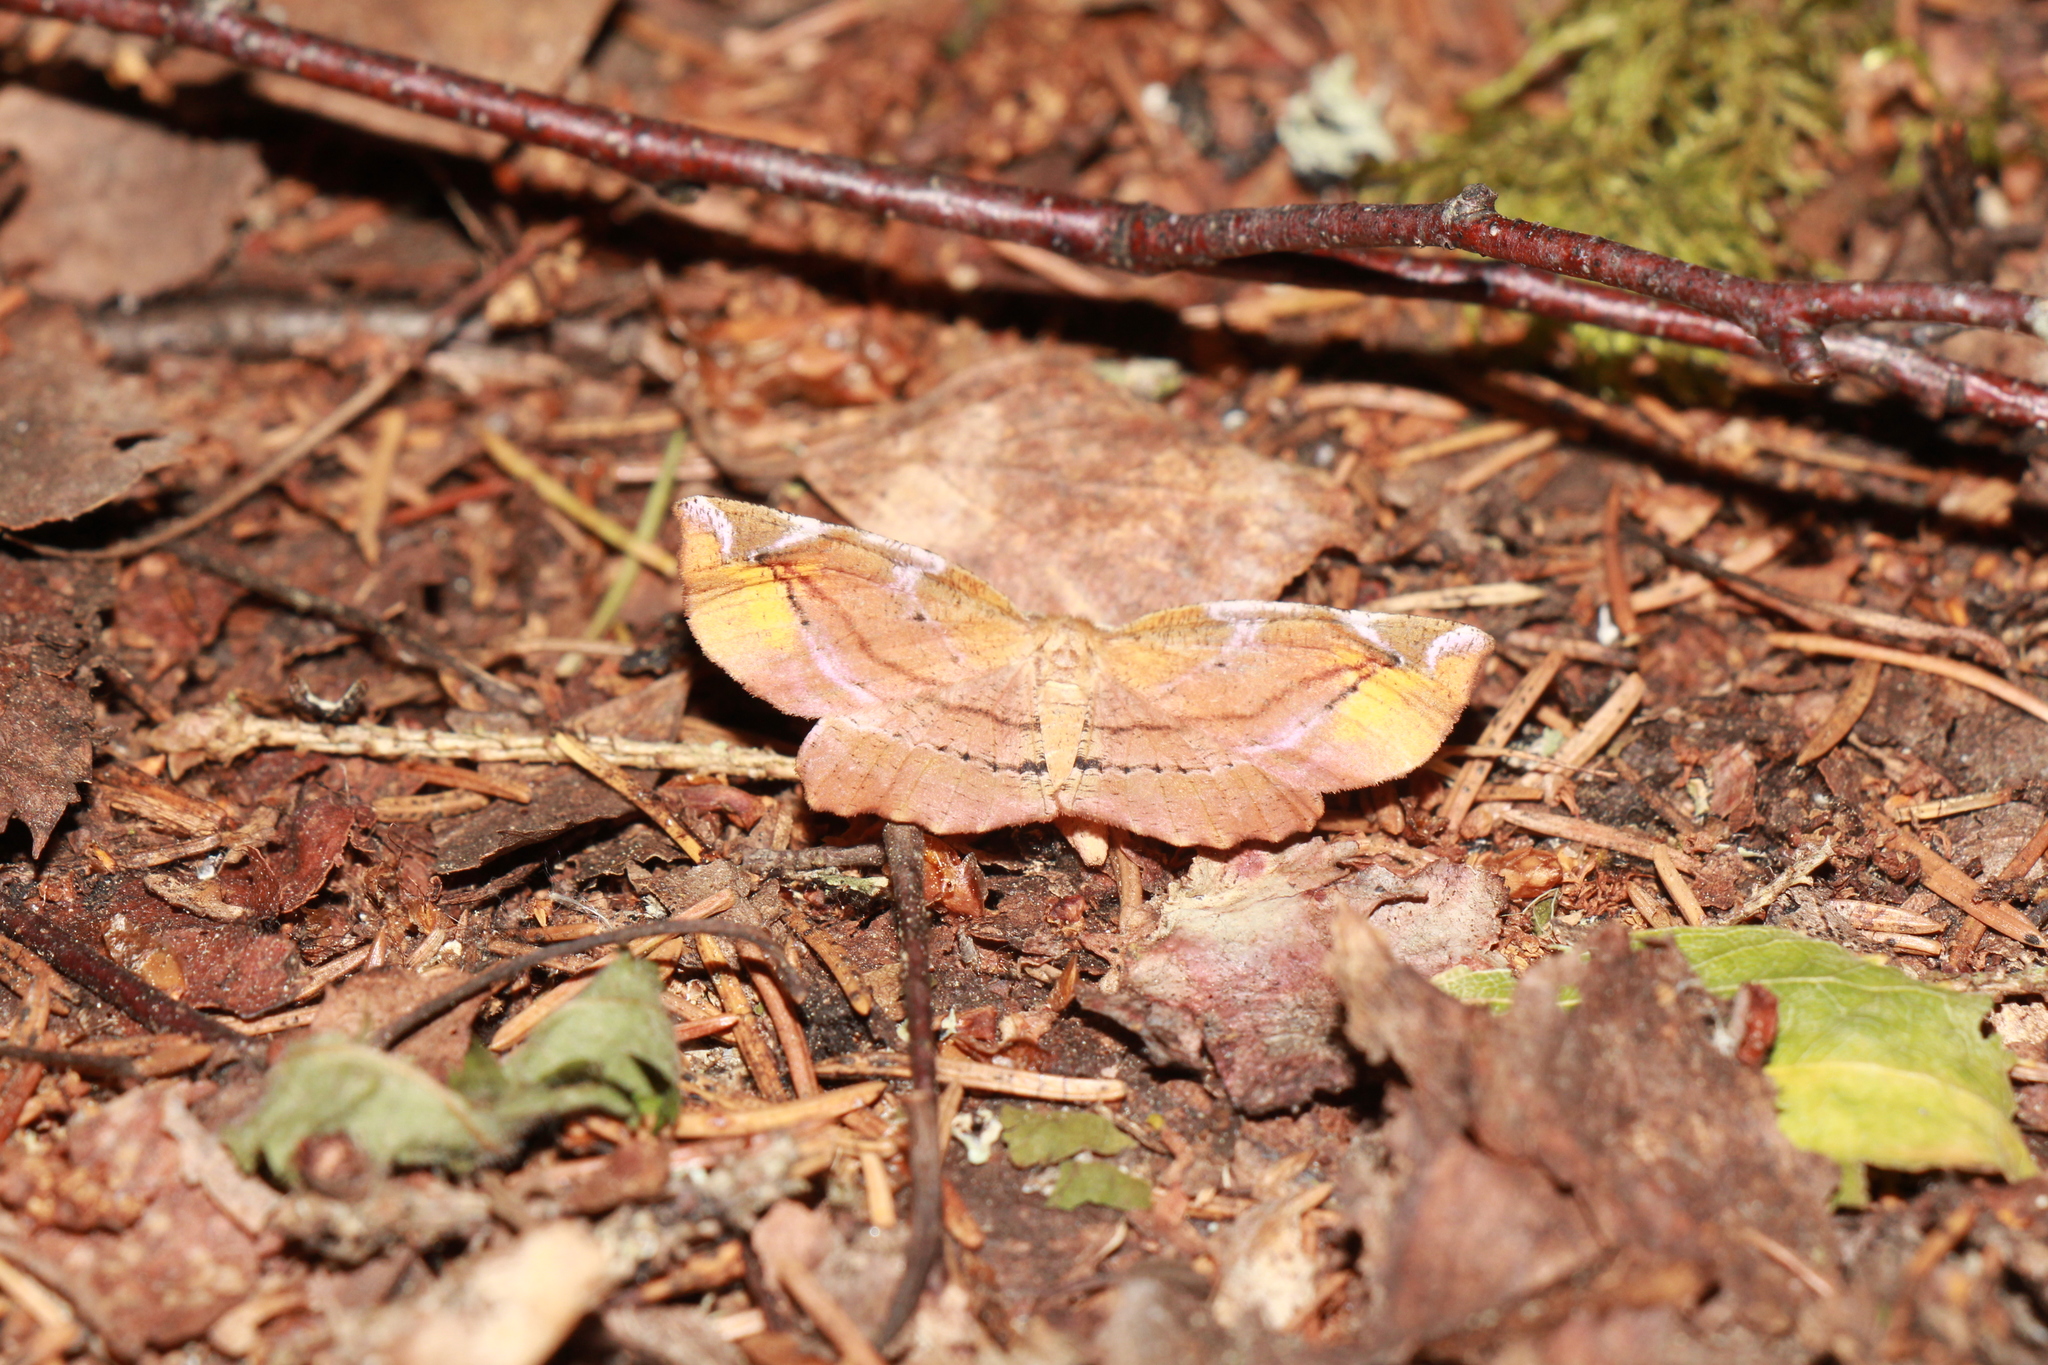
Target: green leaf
x,y
394,1112
1098,1182
1493,987
1035,1138
480,1078
1871,1066
609,1049
613,1037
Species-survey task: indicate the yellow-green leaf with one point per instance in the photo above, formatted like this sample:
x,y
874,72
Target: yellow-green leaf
x,y
394,1112
1039,1138
1493,987
615,1034
1098,1182
1871,1066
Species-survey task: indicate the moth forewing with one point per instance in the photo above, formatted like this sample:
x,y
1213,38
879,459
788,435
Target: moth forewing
x,y
823,620
1321,700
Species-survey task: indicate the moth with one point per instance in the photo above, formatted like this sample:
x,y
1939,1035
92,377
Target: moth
x,y
942,705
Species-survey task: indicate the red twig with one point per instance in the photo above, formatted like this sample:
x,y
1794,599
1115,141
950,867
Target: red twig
x,y
1308,243
1939,385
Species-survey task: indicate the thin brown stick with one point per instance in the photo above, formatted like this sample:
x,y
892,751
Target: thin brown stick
x,y
1556,826
1541,642
1500,461
1815,614
789,1031
768,1118
110,981
609,773
1471,438
905,847
1676,886
984,1078
773,862
224,733
375,495
832,1320
1938,385
1576,753
513,967
724,970
1614,566
1972,932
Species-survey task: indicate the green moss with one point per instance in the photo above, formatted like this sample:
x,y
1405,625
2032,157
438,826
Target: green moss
x,y
1682,124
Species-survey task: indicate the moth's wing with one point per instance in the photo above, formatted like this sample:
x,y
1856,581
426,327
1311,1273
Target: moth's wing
x,y
822,620
956,760
1142,768
1320,700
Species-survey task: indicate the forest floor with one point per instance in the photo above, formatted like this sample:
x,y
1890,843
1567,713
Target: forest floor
x,y
1178,1129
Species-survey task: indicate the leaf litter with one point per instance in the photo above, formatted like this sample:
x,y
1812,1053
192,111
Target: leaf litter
x,y
1315,1151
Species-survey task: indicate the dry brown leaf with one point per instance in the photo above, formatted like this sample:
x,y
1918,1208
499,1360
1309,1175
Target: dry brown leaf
x,y
75,436
535,46
46,716
159,1261
116,206
1238,966
1549,1140
1076,497
513,1305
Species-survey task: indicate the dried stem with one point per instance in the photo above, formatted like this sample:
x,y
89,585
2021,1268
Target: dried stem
x,y
226,732
905,847
1328,244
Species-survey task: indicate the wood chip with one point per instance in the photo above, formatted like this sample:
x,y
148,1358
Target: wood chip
x,y
1456,443
1953,805
463,779
1458,599
1614,566
1500,461
1676,886
419,810
577,430
1380,398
